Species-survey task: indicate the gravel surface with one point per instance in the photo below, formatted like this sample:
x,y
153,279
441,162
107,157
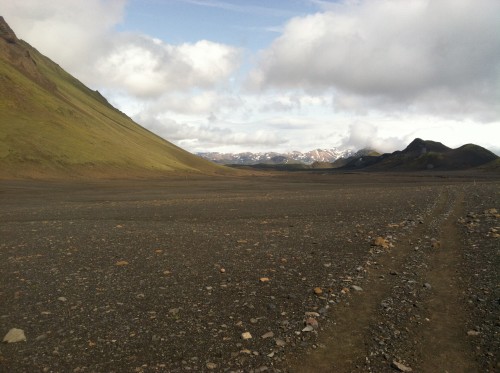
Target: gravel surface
x,y
243,275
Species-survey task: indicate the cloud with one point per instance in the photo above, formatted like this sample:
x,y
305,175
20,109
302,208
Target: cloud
x,y
71,32
204,136
90,48
148,67
395,53
365,135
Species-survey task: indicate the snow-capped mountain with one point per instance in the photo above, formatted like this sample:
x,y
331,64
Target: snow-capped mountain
x,y
249,158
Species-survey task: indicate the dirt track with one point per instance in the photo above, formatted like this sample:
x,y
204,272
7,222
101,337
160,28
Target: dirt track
x,y
167,275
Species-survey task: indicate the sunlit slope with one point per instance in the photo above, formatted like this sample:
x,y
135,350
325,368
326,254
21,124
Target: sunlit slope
x,y
52,125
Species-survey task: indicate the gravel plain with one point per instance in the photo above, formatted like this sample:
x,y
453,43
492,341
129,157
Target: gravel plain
x,y
287,273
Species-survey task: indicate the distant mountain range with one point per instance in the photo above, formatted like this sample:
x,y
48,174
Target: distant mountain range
x,y
417,156
274,158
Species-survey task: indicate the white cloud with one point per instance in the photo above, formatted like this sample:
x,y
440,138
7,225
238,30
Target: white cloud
x,y
396,53
206,135
72,32
139,65
147,67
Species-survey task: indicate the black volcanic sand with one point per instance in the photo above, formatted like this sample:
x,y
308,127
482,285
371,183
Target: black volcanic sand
x,y
147,276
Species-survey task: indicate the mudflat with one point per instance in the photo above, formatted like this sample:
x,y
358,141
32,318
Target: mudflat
x,y
287,273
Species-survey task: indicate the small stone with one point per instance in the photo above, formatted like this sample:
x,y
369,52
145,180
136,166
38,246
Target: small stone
x,y
246,335
380,242
401,367
356,288
435,244
311,314
211,366
318,291
427,286
312,322
14,335
472,333
308,328
41,337
121,263
62,299
222,270
264,279
267,335
280,342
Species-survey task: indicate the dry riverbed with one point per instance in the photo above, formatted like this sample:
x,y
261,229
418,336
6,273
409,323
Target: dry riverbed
x,y
342,273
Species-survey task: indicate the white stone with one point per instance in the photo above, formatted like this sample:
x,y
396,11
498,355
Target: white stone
x,y
15,335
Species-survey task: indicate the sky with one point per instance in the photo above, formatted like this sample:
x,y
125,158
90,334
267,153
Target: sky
x,y
283,75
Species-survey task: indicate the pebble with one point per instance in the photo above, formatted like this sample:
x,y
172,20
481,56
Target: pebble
x,y
14,335
267,335
308,328
211,366
280,342
318,291
427,286
62,299
312,322
41,337
472,333
401,367
246,335
356,288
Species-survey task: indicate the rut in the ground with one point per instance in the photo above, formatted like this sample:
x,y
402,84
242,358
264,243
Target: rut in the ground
x,y
437,344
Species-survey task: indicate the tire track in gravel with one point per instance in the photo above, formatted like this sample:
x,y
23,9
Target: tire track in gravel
x,y
348,340
444,345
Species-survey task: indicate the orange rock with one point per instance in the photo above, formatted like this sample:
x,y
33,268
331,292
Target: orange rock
x,y
380,242
318,291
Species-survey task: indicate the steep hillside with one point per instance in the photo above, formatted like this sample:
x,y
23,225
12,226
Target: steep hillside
x,y
51,125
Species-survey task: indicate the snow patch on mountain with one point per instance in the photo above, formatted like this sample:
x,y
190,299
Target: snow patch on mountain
x,y
249,158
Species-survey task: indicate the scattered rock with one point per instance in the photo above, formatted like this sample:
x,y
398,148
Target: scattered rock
x,y
356,288
121,263
401,367
280,342
427,286
308,328
264,279
473,333
435,244
222,270
62,299
14,335
267,335
380,242
246,335
318,291
211,366
312,314
312,322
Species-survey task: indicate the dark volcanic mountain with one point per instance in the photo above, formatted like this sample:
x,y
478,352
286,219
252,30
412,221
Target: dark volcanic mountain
x,y
426,155
51,125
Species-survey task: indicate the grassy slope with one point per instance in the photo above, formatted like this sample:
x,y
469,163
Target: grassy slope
x,y
72,130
